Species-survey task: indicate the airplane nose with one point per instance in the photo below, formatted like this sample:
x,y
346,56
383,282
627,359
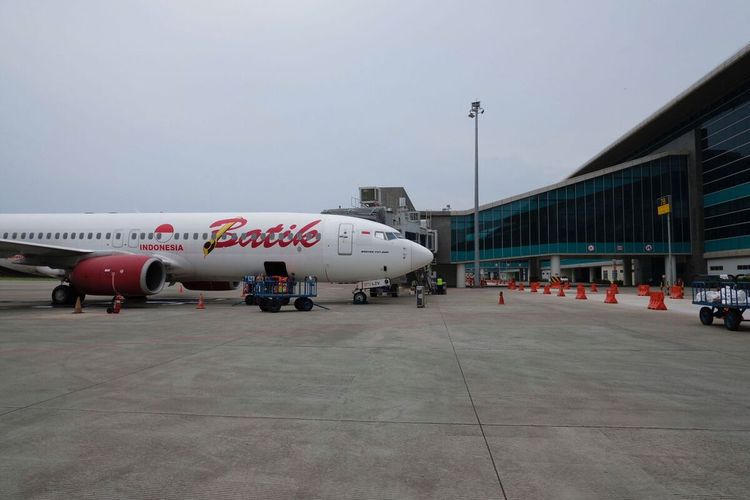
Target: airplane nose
x,y
420,256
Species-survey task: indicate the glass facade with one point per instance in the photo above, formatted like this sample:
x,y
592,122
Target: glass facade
x,y
725,153
608,214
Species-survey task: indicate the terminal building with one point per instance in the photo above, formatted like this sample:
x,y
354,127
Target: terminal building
x,y
601,223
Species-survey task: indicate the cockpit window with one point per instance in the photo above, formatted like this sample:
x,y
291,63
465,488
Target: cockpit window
x,y
391,236
380,234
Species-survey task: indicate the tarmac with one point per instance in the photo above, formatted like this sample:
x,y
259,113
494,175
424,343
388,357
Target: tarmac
x,y
543,397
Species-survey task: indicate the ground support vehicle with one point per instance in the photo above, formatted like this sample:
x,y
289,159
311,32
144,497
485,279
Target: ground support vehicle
x,y
722,297
273,292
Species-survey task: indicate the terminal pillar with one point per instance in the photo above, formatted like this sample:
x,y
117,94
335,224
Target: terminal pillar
x,y
638,271
535,271
670,266
593,274
627,271
554,265
461,276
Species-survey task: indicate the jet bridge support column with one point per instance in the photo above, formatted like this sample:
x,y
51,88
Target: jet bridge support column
x,y
554,266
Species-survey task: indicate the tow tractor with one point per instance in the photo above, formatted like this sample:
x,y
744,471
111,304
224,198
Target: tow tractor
x,y
275,291
359,295
722,297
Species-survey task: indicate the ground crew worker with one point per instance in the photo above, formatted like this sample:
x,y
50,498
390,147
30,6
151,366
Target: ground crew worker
x,y
440,286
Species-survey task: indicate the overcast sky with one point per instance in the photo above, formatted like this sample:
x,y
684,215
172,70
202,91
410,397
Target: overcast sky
x,y
291,106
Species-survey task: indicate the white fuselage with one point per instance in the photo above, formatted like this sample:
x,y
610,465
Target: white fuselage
x,y
220,246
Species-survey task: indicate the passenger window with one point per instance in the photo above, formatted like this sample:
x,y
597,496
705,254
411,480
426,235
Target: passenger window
x,y
14,235
5,236
151,236
91,235
176,236
98,236
143,236
31,236
185,236
195,236
23,236
40,235
133,236
158,236
65,236
118,236
380,234
49,236
205,236
72,236
57,236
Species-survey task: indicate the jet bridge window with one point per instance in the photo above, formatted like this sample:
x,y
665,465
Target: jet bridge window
x,y
380,234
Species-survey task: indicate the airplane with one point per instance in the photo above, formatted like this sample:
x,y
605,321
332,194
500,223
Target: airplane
x,y
134,255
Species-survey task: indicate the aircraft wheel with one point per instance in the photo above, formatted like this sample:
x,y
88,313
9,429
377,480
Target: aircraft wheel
x,y
732,320
63,295
706,315
303,304
250,300
359,298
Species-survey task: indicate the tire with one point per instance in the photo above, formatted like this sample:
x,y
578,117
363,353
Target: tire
x,y
284,301
359,298
274,306
303,304
63,295
733,319
263,304
706,315
250,300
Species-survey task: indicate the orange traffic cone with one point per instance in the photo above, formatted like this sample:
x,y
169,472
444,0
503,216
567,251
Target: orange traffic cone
x,y
561,293
78,309
657,302
520,287
610,298
581,292
547,290
594,288
615,289
501,300
534,287
201,304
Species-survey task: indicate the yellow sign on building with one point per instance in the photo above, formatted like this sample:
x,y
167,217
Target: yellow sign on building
x,y
663,205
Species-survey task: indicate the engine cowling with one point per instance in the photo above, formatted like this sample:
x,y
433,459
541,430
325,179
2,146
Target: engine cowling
x,y
211,286
129,275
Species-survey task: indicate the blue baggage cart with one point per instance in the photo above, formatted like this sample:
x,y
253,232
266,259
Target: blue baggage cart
x,y
722,297
270,293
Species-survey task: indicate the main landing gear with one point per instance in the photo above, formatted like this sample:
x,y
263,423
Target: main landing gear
x,y
66,295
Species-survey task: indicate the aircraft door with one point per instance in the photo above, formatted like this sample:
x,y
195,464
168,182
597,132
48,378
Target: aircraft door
x,y
345,239
133,238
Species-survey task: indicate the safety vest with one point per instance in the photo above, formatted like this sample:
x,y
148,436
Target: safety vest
x,y
439,281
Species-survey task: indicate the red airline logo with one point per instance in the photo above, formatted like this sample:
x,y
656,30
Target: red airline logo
x,y
224,237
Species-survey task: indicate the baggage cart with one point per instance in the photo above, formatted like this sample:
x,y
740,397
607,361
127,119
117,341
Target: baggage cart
x,y
722,297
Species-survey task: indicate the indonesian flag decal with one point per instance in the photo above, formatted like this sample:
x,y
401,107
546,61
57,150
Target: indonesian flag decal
x,y
164,232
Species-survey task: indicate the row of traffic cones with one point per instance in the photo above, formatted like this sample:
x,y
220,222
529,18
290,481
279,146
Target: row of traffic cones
x,y
656,298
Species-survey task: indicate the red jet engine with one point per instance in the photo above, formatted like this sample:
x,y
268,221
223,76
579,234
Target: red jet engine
x,y
129,275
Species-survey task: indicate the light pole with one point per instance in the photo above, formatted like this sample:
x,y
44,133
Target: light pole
x,y
475,111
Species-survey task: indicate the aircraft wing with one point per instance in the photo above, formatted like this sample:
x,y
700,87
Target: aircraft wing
x,y
38,254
